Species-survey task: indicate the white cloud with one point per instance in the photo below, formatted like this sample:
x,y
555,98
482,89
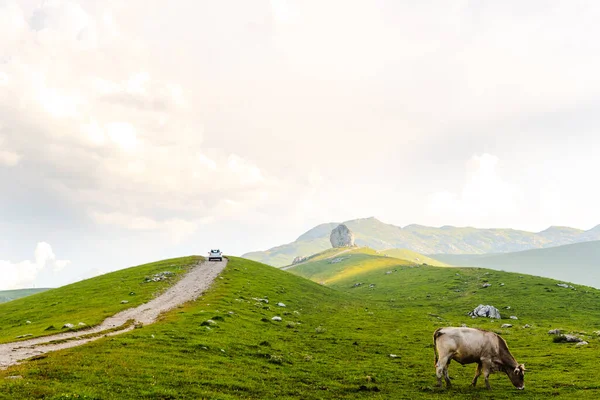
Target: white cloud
x,y
24,273
485,199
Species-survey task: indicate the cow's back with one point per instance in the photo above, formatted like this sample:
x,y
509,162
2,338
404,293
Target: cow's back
x,y
467,345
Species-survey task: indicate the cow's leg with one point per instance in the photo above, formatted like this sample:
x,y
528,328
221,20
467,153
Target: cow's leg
x,y
477,374
441,369
486,375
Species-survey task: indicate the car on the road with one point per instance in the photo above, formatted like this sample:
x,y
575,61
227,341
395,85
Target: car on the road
x,y
215,255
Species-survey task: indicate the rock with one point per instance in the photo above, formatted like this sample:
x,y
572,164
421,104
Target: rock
x,y
161,276
299,259
68,326
393,356
357,284
372,285
571,339
276,318
341,237
554,332
507,307
389,272
28,322
124,301
132,293
281,304
266,301
597,333
582,343
336,260
486,285
527,326
24,336
513,317
81,324
208,322
502,284
564,285
485,311
506,326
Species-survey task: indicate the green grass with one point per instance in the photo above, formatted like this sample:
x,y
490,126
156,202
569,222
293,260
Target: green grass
x,y
409,255
9,295
334,342
89,301
355,262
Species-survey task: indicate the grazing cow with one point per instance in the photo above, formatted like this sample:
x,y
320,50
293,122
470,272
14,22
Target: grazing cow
x,y
467,346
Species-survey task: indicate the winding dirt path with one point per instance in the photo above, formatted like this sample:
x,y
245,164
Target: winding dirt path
x,y
190,287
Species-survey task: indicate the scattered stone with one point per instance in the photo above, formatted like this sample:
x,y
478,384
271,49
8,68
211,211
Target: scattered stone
x,y
527,326
389,272
124,301
506,326
14,377
372,285
486,285
582,343
132,293
341,236
393,356
297,312
568,339
564,285
554,332
513,317
507,307
281,304
81,324
357,284
161,276
485,311
597,333
336,260
68,326
28,322
24,336
299,259
266,301
502,284
276,318
208,322
230,313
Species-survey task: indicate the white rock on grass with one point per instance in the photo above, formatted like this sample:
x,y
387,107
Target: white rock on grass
x,y
513,317
582,343
81,324
276,318
124,301
281,304
393,356
68,326
554,332
485,311
506,326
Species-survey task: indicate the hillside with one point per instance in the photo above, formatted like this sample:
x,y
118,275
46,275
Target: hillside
x,y
8,295
579,263
332,342
413,256
375,234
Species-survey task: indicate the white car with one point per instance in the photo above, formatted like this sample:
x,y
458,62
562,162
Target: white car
x,y
215,255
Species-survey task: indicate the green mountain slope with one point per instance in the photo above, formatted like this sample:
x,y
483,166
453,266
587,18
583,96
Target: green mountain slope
x,y
579,263
409,255
332,342
375,234
8,295
89,301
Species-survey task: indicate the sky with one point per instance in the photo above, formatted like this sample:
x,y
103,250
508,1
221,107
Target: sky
x,y
133,131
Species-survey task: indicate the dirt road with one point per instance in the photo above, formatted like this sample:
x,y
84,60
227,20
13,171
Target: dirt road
x,y
192,285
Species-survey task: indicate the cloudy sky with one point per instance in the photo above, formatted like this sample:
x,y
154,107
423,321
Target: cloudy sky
x,y
132,131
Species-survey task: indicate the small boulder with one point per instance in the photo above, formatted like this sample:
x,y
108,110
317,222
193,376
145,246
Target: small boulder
x,y
81,324
28,322
554,332
124,302
393,356
564,285
582,343
527,326
485,311
299,259
513,317
485,285
281,304
68,326
276,318
506,326
208,322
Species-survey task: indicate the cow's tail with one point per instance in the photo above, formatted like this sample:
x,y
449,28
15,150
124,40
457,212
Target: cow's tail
x,y
436,335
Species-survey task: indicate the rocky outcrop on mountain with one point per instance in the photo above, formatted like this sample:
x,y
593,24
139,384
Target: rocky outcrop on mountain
x,y
341,236
485,311
298,260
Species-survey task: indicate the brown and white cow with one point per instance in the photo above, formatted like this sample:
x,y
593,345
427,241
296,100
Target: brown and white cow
x,y
469,345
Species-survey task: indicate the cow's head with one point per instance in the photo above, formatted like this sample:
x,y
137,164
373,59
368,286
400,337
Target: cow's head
x,y
517,376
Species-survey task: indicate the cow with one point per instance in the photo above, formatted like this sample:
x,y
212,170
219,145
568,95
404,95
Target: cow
x,y
469,345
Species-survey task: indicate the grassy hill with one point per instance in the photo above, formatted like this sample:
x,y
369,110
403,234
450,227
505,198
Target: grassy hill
x,y
333,341
8,295
371,232
579,263
409,255
89,301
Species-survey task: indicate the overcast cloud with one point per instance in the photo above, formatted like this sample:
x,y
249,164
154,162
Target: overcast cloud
x,y
137,130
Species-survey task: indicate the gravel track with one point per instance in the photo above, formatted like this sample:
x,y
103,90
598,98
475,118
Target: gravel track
x,y
190,287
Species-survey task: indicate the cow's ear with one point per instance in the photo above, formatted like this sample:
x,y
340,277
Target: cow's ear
x,y
523,367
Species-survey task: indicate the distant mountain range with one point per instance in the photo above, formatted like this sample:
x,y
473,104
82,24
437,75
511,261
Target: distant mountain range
x,y
425,240
578,263
8,295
